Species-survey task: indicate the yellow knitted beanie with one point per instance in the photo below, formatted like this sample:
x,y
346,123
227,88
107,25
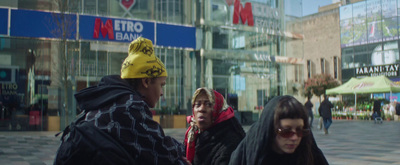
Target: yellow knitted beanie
x,y
141,61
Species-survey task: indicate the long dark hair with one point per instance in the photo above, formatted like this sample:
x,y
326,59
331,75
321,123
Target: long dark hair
x,y
291,108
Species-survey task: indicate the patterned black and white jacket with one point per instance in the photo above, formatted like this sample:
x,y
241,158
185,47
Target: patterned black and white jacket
x,y
114,107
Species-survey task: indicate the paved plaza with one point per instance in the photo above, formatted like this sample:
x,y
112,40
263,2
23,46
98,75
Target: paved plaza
x,y
349,142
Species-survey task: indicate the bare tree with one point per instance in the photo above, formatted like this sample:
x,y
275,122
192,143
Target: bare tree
x,y
63,66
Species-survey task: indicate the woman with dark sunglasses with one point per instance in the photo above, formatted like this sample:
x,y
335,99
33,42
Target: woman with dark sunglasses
x,y
281,136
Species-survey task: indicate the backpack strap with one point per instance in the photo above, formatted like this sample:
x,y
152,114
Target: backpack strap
x,y
67,129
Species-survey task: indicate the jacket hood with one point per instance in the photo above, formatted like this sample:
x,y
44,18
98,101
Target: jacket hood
x,y
109,89
254,147
259,138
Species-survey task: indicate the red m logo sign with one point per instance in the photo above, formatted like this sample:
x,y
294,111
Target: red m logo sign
x,y
246,13
104,29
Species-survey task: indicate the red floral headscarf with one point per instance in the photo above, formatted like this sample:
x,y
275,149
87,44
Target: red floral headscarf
x,y
221,112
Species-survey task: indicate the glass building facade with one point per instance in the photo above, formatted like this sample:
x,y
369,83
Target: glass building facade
x,y
240,49
369,39
244,53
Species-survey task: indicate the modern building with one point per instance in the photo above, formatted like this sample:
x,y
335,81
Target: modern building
x,y
321,43
352,39
49,50
369,33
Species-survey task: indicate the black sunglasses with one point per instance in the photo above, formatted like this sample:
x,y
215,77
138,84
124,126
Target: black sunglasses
x,y
287,133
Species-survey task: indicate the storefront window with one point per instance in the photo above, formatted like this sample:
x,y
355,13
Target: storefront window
x,y
24,93
173,91
361,60
347,61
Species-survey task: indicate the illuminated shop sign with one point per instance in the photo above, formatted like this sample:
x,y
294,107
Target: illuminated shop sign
x,y
256,14
112,29
245,13
45,25
125,30
265,16
387,70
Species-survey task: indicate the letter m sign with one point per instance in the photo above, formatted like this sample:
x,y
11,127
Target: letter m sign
x,y
246,13
104,29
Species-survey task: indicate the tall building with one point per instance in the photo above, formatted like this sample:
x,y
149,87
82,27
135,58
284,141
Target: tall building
x,y
51,49
353,39
369,40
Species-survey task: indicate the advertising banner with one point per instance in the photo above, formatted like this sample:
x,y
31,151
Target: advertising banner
x,y
38,24
176,36
3,21
389,20
359,19
374,21
28,23
346,26
114,29
369,21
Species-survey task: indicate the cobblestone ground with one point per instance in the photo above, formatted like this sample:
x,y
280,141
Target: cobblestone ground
x,y
348,142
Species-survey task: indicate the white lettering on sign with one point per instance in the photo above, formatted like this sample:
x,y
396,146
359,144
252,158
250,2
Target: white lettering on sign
x,y
388,70
128,26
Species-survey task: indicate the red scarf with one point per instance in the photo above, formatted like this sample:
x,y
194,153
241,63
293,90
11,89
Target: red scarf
x,y
219,114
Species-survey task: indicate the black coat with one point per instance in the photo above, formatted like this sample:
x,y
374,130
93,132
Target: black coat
x,y
215,145
325,109
397,109
115,108
309,106
377,106
256,147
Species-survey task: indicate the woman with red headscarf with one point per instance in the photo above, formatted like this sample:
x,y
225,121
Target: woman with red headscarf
x,y
214,132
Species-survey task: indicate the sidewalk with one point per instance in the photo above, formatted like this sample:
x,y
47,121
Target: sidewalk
x,y
360,142
348,142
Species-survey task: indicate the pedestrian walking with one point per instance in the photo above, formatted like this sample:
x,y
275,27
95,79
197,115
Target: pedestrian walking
x,y
309,106
325,110
282,136
119,106
397,110
377,108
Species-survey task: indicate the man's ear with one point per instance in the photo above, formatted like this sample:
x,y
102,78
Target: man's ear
x,y
145,82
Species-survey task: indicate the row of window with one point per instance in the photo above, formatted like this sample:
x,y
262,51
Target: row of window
x,y
171,11
324,67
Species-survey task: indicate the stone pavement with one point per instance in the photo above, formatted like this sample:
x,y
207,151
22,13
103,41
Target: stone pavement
x,y
349,142
360,142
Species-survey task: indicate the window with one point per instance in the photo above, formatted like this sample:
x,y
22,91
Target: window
x,y
296,73
335,67
322,65
309,68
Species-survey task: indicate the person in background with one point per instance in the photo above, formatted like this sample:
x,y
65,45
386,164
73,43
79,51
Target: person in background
x,y
392,108
377,108
325,110
214,132
397,110
282,136
120,106
309,106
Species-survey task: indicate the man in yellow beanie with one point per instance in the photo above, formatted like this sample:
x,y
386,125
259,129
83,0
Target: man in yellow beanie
x,y
119,105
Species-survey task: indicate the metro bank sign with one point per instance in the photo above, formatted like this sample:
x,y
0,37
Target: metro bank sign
x,y
244,13
114,29
255,14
